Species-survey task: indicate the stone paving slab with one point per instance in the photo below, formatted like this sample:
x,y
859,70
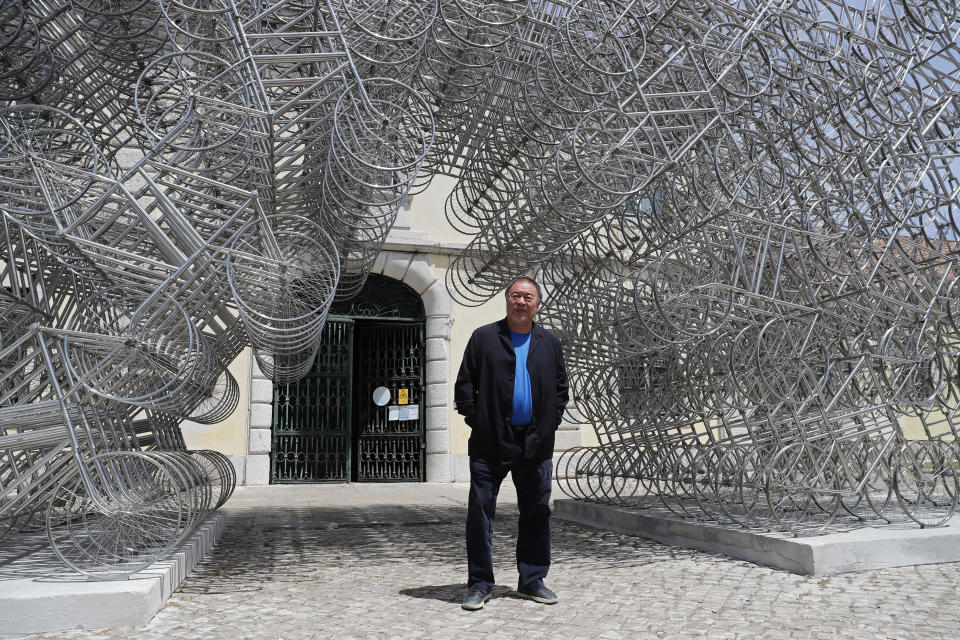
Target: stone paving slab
x,y
38,593
340,562
843,548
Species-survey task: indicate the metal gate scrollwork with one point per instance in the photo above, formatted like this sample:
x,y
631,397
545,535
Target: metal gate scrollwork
x,y
390,439
311,417
326,426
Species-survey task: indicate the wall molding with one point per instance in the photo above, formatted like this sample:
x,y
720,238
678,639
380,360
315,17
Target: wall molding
x,y
413,269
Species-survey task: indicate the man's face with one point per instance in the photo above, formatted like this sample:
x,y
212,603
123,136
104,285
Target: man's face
x,y
522,302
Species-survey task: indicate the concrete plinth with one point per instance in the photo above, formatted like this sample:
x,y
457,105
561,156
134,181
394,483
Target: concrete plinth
x,y
39,594
841,550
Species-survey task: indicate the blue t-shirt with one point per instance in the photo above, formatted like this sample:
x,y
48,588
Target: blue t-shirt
x,y
522,396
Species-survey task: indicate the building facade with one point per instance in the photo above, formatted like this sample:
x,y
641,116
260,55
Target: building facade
x,y
367,447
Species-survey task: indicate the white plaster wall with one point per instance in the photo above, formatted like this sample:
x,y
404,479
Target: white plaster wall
x,y
230,436
427,216
588,436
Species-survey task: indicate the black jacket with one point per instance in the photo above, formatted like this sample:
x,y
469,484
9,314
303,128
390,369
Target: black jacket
x,y
484,392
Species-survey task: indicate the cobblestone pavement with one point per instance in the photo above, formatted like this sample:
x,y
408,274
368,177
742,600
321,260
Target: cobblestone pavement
x,y
387,561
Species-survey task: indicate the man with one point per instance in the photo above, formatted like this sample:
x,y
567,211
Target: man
x,y
512,389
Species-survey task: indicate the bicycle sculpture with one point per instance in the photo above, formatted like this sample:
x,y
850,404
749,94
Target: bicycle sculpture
x,y
743,213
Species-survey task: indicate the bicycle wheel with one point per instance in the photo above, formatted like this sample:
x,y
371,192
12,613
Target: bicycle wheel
x,y
925,482
134,521
727,479
678,473
220,473
802,489
751,485
877,491
704,471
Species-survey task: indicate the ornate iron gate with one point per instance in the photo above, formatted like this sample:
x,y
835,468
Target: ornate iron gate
x,y
326,427
312,417
389,439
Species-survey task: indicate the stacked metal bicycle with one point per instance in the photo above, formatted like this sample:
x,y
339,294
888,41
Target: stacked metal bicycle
x,y
128,290
745,216
767,325
743,212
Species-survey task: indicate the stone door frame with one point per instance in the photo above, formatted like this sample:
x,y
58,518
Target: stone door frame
x,y
413,269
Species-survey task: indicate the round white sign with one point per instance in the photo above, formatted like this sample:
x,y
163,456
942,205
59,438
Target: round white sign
x,y
381,396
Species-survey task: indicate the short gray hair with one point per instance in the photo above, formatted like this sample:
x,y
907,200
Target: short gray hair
x,y
506,292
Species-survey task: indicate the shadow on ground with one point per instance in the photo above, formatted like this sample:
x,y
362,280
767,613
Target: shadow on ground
x,y
288,544
27,554
452,593
280,544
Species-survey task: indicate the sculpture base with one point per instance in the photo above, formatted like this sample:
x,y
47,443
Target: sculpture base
x,y
39,594
841,549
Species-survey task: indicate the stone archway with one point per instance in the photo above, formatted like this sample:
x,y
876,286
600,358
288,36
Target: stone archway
x,y
413,269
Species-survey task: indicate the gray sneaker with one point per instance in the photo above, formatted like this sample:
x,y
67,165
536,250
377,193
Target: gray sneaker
x,y
475,599
538,594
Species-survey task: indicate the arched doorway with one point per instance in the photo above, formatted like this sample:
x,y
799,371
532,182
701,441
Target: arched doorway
x,y
326,427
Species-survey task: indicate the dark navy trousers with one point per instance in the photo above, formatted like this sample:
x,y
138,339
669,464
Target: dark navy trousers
x,y
532,479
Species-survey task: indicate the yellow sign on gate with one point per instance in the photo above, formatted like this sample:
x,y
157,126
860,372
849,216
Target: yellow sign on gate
x,y
403,396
